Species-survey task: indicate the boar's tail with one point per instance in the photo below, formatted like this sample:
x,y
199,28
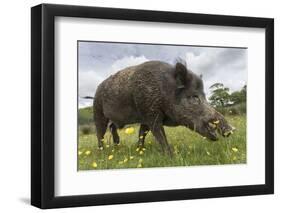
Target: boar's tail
x,y
88,97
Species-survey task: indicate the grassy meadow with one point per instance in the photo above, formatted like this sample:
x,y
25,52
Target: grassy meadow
x,y
189,148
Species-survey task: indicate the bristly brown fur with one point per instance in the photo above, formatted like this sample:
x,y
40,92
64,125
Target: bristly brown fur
x,y
153,94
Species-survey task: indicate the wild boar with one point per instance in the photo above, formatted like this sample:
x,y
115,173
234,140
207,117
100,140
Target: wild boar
x,y
155,94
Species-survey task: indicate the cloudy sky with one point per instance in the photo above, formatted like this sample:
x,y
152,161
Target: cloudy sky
x,y
98,60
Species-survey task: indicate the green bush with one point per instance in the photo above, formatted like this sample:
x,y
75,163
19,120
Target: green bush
x,y
87,129
85,115
238,109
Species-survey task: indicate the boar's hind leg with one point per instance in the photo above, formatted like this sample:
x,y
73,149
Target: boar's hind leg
x,y
101,125
114,133
142,133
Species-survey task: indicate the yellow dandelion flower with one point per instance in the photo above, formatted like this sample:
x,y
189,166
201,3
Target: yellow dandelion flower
x,y
131,157
88,152
129,130
141,152
110,157
138,149
94,164
234,149
139,165
80,152
143,149
125,160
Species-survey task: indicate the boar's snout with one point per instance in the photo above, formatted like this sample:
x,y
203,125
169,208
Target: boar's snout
x,y
219,125
226,131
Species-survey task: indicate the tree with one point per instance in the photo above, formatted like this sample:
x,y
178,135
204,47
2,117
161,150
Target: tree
x,y
220,95
238,97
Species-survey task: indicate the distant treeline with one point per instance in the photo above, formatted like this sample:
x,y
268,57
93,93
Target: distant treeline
x,y
85,115
227,102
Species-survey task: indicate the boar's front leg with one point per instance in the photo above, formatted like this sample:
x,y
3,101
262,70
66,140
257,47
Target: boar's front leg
x,y
160,136
142,133
158,132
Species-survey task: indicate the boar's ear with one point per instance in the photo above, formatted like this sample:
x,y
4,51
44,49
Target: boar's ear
x,y
182,76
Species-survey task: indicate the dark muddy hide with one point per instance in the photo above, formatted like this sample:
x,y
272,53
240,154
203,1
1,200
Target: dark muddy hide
x,y
155,94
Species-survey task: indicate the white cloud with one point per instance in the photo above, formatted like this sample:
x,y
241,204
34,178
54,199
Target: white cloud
x,y
128,61
219,66
85,102
89,80
97,61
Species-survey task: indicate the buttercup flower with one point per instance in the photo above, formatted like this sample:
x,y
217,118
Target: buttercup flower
x,y
234,149
129,130
94,164
88,152
110,157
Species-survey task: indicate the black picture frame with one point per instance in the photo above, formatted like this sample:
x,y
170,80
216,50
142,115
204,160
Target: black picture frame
x,y
43,102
